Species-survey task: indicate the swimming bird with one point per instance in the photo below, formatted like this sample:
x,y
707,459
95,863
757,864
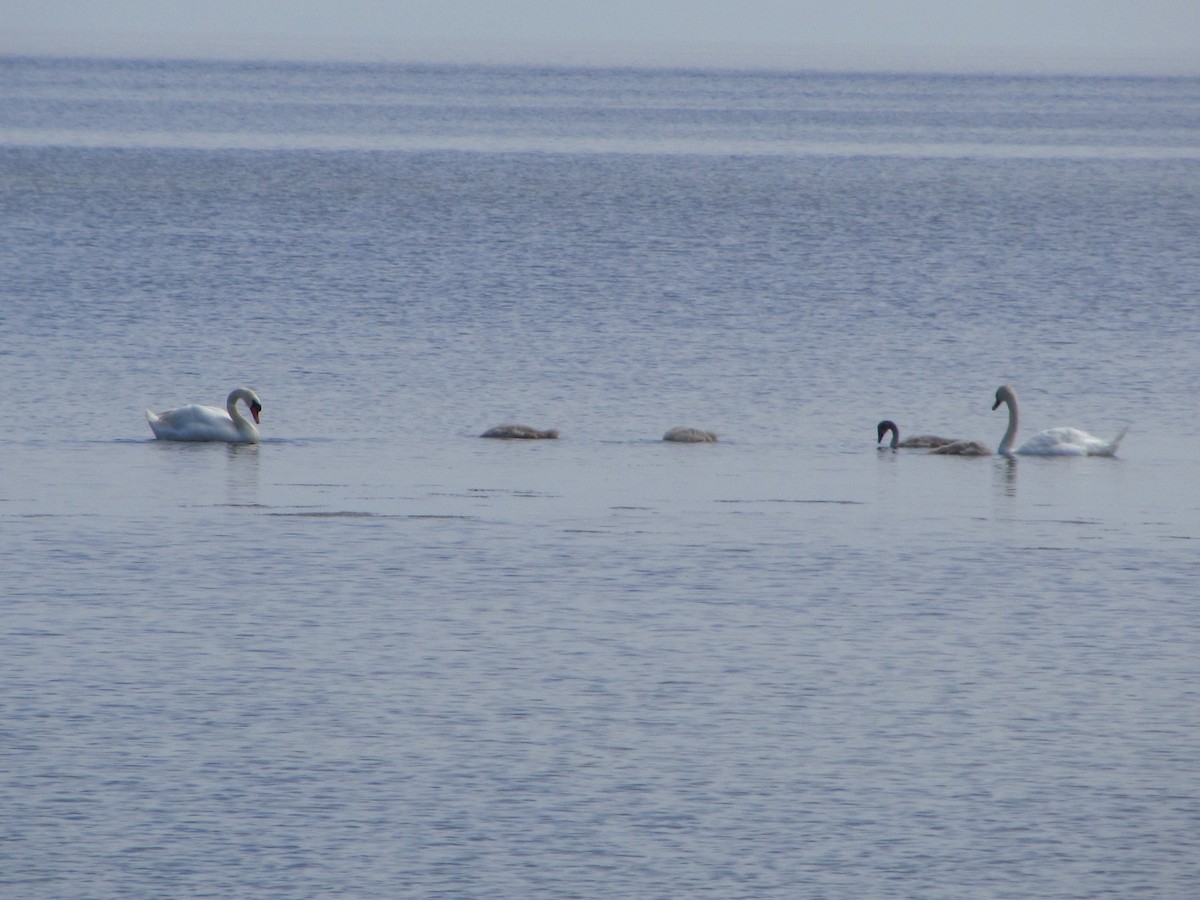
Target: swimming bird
x,y
1052,441
684,435
921,440
210,423
520,432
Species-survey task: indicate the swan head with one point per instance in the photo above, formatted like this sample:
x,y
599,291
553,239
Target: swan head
x,y
249,398
1004,394
884,427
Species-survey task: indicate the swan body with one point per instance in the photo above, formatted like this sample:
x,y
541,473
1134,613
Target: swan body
x,y
963,448
520,432
921,440
684,435
210,423
1052,441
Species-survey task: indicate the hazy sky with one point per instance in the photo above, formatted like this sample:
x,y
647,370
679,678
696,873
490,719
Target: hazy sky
x,y
1157,35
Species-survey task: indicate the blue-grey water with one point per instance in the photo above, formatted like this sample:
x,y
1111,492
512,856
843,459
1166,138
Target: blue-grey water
x,y
377,656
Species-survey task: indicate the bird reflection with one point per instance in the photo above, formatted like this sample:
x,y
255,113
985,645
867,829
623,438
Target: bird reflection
x,y
1006,476
241,474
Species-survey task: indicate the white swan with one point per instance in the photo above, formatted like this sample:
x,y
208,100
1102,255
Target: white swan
x,y
520,432
1052,441
209,423
684,435
921,440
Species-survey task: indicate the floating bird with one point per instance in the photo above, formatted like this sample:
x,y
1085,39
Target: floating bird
x,y
520,432
1052,441
682,435
920,441
210,423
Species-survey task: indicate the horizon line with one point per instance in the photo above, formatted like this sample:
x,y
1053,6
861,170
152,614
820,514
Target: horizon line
x,y
729,56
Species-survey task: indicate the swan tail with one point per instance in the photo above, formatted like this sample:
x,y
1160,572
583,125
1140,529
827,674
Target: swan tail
x,y
1115,442
155,421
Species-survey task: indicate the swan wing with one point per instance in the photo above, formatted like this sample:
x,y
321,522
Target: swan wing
x,y
963,448
1069,442
194,423
927,440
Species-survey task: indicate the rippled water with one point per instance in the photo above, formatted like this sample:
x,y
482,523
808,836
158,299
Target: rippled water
x,y
377,656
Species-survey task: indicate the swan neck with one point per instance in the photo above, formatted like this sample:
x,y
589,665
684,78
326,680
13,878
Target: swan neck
x,y
240,422
884,428
1010,435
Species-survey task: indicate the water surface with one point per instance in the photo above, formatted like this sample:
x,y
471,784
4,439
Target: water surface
x,y
376,655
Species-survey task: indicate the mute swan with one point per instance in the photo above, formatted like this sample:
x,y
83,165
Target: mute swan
x,y
209,423
683,435
921,440
522,432
1052,441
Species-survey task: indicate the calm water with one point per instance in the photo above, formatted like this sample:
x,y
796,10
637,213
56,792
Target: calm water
x,y
377,656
